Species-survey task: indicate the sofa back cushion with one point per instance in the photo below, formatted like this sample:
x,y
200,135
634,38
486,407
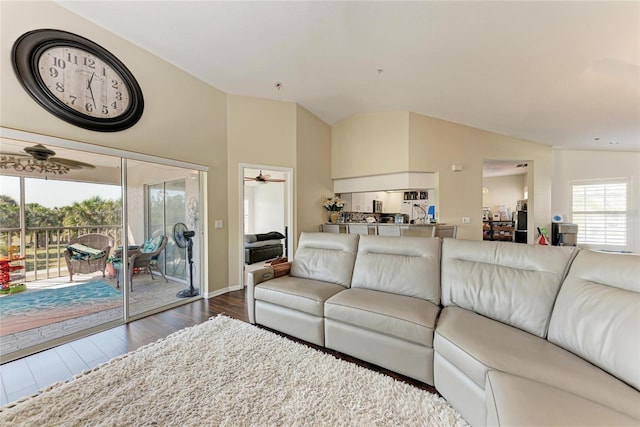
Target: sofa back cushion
x,y
597,313
512,283
327,257
407,266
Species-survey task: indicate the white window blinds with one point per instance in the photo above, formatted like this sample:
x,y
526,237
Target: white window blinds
x,y
601,211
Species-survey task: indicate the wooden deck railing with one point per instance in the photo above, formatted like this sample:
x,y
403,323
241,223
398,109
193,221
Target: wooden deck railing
x,y
44,246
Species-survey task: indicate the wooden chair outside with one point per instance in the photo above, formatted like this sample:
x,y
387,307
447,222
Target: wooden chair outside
x,y
77,263
144,261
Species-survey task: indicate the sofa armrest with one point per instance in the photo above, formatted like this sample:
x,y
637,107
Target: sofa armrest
x,y
254,278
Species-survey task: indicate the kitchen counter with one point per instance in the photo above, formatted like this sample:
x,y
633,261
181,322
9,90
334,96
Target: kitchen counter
x,y
420,230
385,224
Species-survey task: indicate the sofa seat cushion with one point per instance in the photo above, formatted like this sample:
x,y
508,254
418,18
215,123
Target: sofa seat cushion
x,y
304,295
408,318
476,345
517,401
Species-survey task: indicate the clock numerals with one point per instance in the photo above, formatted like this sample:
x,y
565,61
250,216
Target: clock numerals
x,y
60,63
73,59
88,62
83,82
77,80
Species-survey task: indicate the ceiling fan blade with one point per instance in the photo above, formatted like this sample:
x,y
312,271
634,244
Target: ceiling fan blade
x,y
21,155
246,178
275,180
264,177
71,164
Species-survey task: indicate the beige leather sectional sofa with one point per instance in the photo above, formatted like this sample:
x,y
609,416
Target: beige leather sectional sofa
x,y
508,334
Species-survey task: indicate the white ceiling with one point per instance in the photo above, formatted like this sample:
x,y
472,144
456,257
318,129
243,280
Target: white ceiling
x,y
560,73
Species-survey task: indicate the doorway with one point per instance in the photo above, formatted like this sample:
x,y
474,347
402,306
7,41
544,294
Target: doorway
x,y
504,200
99,205
266,208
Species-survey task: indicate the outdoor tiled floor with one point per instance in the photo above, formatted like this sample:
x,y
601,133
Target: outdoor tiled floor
x,y
148,295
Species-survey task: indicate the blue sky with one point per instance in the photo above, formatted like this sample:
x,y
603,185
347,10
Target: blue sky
x,y
53,193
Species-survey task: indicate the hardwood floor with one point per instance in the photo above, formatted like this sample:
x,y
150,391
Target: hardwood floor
x,y
26,376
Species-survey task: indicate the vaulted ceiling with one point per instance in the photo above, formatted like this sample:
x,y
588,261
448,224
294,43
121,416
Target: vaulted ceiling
x,y
562,73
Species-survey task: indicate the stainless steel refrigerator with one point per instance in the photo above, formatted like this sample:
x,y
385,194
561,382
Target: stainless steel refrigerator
x,y
521,222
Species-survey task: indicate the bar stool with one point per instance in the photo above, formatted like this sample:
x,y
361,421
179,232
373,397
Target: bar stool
x,y
443,231
358,229
330,228
388,230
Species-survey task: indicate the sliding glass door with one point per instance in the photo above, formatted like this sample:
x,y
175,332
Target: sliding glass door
x,y
63,235
166,206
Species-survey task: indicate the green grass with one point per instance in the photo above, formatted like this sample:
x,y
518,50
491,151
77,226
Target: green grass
x,y
55,258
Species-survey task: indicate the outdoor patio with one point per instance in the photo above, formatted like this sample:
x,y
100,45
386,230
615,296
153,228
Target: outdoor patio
x,y
149,294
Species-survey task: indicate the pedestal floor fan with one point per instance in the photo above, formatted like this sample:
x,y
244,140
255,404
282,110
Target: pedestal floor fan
x,y
182,236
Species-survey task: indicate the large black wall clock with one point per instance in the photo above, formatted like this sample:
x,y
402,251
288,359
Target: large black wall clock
x,y
77,80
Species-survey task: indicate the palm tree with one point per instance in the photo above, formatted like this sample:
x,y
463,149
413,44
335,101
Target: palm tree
x,y
9,212
92,212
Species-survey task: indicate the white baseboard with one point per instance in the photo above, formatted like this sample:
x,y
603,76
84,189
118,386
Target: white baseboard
x,y
222,291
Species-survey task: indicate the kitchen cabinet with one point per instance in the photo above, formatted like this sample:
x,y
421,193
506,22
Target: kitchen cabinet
x,y
357,202
392,202
362,202
348,201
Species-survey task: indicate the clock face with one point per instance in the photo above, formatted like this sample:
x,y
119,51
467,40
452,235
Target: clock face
x,y
83,82
77,80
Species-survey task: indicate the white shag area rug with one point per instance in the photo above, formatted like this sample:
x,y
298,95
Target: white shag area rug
x,y
230,373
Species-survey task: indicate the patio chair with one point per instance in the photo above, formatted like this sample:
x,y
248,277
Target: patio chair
x,y
145,259
87,254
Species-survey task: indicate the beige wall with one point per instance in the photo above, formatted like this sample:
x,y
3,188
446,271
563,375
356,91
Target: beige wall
x,y
370,144
437,144
260,132
426,144
574,165
184,118
503,190
277,134
313,171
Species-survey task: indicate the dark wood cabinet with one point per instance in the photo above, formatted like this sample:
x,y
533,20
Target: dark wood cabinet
x,y
498,230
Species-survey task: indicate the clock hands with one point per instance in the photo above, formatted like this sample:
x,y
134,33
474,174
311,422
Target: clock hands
x,y
91,90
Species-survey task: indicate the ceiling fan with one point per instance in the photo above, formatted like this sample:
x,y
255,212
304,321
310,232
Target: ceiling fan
x,y
40,159
263,178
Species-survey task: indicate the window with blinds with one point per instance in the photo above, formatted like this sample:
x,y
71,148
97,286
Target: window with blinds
x,y
601,211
